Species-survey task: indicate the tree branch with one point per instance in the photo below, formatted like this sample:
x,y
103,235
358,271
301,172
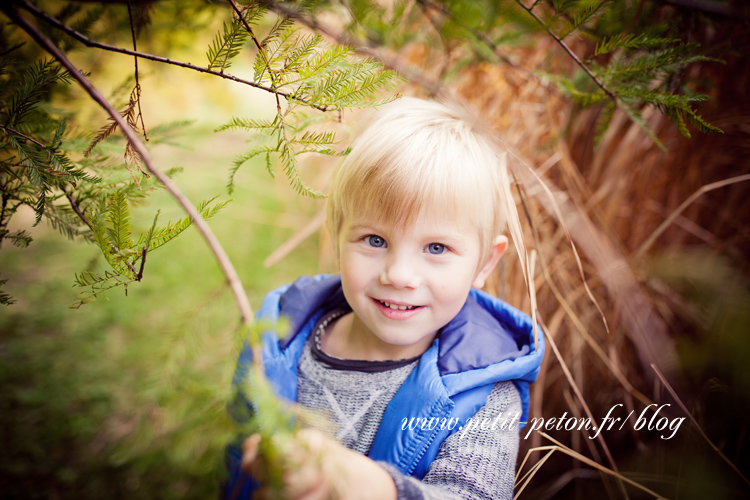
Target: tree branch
x,y
569,51
247,25
430,86
14,131
226,265
93,43
77,209
143,264
137,80
491,45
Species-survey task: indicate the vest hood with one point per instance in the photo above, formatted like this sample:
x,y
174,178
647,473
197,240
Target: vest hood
x,y
488,340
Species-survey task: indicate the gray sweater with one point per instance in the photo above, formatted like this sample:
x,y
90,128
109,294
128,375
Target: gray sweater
x,y
476,464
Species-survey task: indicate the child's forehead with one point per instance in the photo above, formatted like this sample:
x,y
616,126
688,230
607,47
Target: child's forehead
x,y
445,219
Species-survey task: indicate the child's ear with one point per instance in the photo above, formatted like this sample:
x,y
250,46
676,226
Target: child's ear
x,y
497,251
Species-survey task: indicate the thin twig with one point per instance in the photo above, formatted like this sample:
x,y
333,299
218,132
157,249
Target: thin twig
x,y
572,453
247,27
696,424
569,51
92,43
230,273
14,131
143,264
261,50
577,391
482,37
77,209
137,81
700,192
391,62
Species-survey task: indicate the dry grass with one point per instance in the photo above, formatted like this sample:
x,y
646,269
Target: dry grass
x,y
596,220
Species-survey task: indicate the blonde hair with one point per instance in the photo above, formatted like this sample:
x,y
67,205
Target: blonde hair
x,y
414,155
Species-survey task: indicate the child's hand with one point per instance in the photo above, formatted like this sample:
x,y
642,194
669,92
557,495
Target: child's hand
x,y
316,467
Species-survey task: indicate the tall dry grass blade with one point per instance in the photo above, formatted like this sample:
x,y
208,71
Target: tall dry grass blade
x,y
296,239
532,297
564,227
613,368
530,474
697,426
564,449
577,414
646,329
700,192
585,406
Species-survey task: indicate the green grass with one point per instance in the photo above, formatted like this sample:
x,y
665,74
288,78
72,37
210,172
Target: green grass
x,y
123,397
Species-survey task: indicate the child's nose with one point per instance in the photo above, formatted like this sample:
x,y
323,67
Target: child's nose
x,y
399,272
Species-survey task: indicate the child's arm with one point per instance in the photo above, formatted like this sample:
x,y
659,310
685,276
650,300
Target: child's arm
x,y
319,468
478,464
474,465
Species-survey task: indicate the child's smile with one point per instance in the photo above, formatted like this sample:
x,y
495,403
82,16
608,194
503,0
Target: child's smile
x,y
395,310
403,284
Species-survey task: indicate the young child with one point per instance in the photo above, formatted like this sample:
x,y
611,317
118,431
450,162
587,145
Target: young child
x,y
425,377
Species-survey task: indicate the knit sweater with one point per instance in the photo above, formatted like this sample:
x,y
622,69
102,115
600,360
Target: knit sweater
x,y
476,464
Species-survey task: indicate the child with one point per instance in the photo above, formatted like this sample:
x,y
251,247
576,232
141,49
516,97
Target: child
x,y
425,376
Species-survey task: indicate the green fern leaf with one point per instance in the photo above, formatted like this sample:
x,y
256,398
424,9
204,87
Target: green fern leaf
x,y
631,41
581,18
227,45
244,158
118,214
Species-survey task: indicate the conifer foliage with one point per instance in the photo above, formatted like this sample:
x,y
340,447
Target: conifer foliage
x,y
318,81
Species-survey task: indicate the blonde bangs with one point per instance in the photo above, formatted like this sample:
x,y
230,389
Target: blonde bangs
x,y
419,158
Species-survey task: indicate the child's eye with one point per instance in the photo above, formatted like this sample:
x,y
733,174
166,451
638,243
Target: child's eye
x,y
436,248
375,241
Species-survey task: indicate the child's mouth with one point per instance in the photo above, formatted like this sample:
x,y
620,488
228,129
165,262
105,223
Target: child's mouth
x,y
396,307
397,312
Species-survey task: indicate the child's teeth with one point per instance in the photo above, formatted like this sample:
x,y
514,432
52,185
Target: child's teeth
x,y
394,306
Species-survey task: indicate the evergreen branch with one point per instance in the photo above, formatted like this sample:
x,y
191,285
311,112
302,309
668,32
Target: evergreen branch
x,y
567,49
244,158
636,117
99,284
630,41
226,46
119,221
106,130
151,57
243,18
245,124
487,41
156,238
581,18
5,299
393,62
228,269
20,134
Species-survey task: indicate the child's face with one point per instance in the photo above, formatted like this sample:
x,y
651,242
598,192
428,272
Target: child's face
x,y
404,284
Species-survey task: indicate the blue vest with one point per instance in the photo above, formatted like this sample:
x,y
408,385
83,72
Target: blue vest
x,y
487,342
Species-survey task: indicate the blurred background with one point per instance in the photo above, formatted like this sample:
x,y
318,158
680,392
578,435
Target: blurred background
x,y
121,397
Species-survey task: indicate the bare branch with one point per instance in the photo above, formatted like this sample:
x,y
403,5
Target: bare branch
x,y
143,264
226,265
569,51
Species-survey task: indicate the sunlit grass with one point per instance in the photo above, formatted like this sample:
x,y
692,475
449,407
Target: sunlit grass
x,y
122,392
